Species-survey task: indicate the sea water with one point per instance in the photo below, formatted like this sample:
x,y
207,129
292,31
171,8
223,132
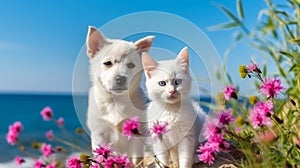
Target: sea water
x,y
26,108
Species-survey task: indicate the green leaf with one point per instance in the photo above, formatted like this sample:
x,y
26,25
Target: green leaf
x,y
286,54
239,7
229,13
229,79
294,67
281,71
239,36
264,71
224,26
281,12
296,40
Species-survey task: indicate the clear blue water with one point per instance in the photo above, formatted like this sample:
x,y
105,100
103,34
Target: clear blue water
x,y
26,108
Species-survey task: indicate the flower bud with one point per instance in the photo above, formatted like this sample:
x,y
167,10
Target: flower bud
x,y
253,100
243,71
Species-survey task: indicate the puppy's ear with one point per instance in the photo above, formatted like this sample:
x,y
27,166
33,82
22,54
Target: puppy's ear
x,y
144,44
149,64
183,58
94,41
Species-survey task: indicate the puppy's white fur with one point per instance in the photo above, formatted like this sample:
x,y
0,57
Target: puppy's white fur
x,y
109,103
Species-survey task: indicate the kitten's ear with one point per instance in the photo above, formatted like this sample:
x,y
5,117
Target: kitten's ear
x,y
183,58
149,64
144,44
94,41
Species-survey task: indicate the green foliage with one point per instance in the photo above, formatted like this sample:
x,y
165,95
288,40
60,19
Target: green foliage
x,y
277,35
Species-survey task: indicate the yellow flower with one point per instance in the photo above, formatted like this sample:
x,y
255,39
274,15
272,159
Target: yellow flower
x,y
83,157
239,121
79,130
253,100
243,71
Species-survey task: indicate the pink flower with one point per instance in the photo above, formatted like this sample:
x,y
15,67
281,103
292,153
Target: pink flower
x,y
110,162
60,121
216,138
207,153
209,147
271,87
51,165
49,135
252,67
12,137
103,150
19,160
100,158
130,127
159,128
73,162
214,134
16,127
260,114
47,114
226,117
224,145
46,149
13,132
211,129
39,164
206,157
118,161
122,161
229,92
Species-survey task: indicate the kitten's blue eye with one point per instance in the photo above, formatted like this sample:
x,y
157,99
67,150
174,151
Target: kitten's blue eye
x,y
178,81
162,83
130,65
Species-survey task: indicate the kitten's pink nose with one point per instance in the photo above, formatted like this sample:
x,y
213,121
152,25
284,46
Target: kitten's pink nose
x,y
172,92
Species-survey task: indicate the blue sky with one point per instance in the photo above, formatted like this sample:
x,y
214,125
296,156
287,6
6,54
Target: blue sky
x,y
40,40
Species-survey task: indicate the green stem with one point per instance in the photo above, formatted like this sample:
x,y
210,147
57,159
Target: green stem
x,y
157,161
245,29
27,153
242,108
68,143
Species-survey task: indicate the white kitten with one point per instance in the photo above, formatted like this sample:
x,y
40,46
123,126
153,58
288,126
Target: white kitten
x,y
168,84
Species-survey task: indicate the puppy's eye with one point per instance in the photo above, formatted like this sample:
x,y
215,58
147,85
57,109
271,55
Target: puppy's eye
x,y
178,81
162,83
130,65
107,63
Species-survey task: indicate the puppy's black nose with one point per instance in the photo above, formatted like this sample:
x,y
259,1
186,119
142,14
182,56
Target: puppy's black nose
x,y
120,80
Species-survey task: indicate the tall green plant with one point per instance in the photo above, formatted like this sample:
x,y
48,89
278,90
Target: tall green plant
x,y
276,35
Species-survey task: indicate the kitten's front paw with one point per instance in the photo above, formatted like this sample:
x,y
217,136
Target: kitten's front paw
x,y
185,163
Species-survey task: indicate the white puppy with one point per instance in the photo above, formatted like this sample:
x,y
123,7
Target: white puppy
x,y
115,70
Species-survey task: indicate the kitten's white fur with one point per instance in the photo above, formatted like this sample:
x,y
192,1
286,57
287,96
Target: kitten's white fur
x,y
170,103
109,103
